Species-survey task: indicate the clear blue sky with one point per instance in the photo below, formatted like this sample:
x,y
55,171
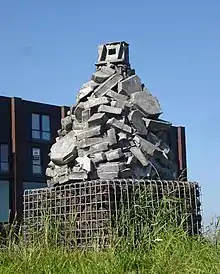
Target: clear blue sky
x,y
48,49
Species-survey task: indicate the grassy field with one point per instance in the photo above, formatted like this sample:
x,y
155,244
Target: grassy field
x,y
162,250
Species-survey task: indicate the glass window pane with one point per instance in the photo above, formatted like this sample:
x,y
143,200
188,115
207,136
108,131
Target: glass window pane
x,y
4,153
4,201
4,167
35,121
35,134
46,135
37,169
45,123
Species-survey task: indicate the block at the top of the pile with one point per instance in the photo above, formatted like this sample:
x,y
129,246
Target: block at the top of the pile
x,y
115,52
146,103
130,85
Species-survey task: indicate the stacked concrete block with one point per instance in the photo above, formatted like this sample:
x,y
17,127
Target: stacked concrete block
x,y
114,131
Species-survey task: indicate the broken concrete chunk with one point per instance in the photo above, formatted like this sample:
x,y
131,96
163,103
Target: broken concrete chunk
x,y
119,125
85,163
78,111
93,102
135,118
67,123
87,142
111,136
116,96
146,103
118,104
99,147
108,70
97,119
108,175
111,167
78,175
108,109
91,84
83,93
107,85
64,150
145,146
94,131
86,115
115,154
99,76
139,155
98,157
130,85
156,125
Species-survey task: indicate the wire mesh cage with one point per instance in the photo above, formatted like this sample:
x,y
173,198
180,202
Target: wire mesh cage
x,y
88,213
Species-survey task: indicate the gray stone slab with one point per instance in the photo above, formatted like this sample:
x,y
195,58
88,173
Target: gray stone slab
x,y
87,142
152,138
78,176
119,125
98,157
145,146
67,123
108,70
130,85
111,167
64,150
157,125
78,111
93,102
116,96
118,104
107,85
63,179
140,156
111,136
109,109
91,84
50,172
146,103
85,163
97,119
99,147
83,152
85,117
135,118
108,175
100,76
83,93
94,131
114,154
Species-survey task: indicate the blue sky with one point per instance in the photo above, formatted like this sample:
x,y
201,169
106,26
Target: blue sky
x,y
48,50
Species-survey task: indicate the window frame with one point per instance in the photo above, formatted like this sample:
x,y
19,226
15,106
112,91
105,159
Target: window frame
x,y
34,164
3,161
41,130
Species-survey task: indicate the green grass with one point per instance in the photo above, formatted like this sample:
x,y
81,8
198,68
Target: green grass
x,y
163,250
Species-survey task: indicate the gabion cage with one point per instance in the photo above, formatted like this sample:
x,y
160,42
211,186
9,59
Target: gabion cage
x,y
91,212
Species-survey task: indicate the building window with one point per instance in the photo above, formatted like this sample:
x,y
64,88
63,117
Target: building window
x,y
4,166
40,127
4,201
36,161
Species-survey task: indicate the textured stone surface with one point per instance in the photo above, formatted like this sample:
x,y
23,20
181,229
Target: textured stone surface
x,y
112,132
146,103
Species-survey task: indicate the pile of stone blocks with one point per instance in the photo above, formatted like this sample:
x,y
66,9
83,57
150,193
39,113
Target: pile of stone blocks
x,y
114,130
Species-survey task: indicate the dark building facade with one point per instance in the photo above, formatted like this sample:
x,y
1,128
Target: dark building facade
x,y
28,129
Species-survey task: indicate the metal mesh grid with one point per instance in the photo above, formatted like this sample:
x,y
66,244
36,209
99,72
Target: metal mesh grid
x,y
88,212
